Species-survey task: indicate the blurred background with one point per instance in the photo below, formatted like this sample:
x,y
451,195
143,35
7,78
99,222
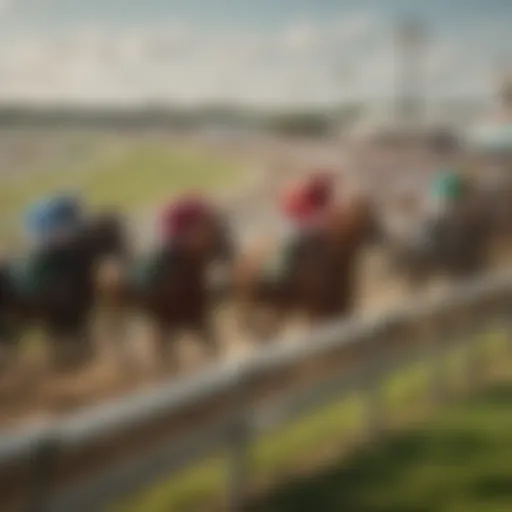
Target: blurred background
x,y
132,103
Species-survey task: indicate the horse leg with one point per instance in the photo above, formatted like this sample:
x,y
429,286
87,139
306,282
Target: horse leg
x,y
116,330
165,338
9,345
247,316
417,280
62,349
267,324
71,343
209,338
266,313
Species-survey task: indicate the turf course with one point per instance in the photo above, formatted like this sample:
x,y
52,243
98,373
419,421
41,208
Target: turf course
x,y
467,448
461,462
128,179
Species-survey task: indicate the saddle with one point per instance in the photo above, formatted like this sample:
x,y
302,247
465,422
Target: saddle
x,y
283,263
149,269
444,236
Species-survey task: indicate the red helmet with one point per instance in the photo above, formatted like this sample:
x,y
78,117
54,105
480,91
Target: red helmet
x,y
181,215
296,205
304,202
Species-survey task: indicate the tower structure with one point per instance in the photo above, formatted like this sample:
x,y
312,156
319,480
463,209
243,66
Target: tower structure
x,y
410,37
505,92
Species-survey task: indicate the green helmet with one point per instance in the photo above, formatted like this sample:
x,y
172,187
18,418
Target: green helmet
x,y
448,185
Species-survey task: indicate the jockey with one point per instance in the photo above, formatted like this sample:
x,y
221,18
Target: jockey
x,y
55,219
305,206
182,224
52,224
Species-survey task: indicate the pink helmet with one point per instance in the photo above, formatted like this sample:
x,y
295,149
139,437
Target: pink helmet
x,y
320,187
178,217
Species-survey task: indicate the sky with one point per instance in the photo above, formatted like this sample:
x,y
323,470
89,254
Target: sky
x,y
256,52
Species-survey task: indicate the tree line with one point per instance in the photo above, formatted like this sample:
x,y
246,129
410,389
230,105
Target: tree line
x,y
311,122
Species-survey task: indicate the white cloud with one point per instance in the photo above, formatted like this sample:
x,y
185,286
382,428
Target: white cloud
x,y
301,37
350,57
5,5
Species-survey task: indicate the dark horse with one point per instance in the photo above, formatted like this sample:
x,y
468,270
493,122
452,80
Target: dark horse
x,y
61,299
453,245
495,199
319,280
172,286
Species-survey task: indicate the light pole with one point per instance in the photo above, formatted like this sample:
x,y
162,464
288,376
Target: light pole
x,y
409,42
505,95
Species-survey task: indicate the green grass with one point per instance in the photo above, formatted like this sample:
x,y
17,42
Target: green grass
x,y
315,434
145,174
461,462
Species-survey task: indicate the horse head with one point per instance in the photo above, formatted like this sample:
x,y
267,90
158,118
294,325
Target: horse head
x,y
105,247
209,240
357,222
223,245
105,236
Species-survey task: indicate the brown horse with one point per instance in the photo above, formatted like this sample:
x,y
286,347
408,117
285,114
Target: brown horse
x,y
322,280
62,302
171,287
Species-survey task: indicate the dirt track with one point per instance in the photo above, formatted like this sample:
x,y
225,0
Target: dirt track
x,y
39,396
36,396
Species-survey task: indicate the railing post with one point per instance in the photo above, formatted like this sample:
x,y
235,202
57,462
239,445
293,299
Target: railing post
x,y
239,469
44,459
486,319
507,309
438,332
239,444
472,325
375,413
504,322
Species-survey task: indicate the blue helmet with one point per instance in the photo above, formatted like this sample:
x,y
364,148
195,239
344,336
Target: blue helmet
x,y
54,213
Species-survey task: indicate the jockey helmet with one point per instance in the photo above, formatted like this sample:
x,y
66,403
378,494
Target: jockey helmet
x,y
54,214
321,185
305,201
178,217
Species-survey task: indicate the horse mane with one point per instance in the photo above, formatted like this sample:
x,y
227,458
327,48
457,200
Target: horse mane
x,y
106,225
351,216
108,219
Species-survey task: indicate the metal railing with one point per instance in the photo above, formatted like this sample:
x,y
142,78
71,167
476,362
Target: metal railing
x,y
95,457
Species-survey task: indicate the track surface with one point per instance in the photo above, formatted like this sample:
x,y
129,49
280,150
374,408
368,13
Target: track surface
x,y
32,394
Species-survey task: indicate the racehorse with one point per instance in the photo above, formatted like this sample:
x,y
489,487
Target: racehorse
x,y
494,196
453,245
172,287
318,280
55,288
